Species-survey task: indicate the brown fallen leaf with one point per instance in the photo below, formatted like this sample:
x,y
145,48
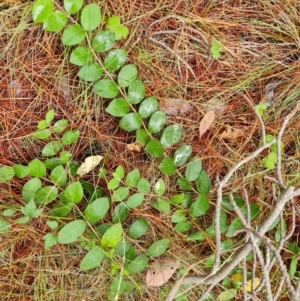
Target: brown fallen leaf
x,y
214,104
135,146
206,122
161,271
173,106
88,164
231,133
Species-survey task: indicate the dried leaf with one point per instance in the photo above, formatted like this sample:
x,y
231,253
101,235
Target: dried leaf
x,y
135,146
161,271
88,164
214,104
255,282
206,122
231,133
15,88
173,106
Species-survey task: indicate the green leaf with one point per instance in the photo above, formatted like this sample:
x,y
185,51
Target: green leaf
x,y
42,124
118,286
23,220
187,200
8,212
106,88
171,135
196,236
73,6
113,24
136,92
203,183
71,231
182,154
162,205
44,134
70,137
118,107
103,41
90,17
59,176
56,21
260,108
127,75
157,122
52,224
6,174
254,210
90,72
137,265
293,266
148,106
73,34
177,199
30,188
132,178
158,248
216,49
294,248
92,259
178,216
120,213
112,236
120,194
142,137
200,206
51,163
80,56
113,184
50,240
227,205
37,168
115,59
143,186
61,209
131,122
193,169
97,210
183,226
60,125
167,166
228,295
51,148
41,10
184,184
160,187
154,148
235,225
30,210
123,247
46,195
270,161
49,116
138,228
4,226
135,200
74,192
119,173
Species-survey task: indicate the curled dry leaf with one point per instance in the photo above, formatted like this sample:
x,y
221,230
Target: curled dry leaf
x,y
135,146
173,106
88,164
231,133
161,271
206,122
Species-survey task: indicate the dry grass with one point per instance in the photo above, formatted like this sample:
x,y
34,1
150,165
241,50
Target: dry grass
x,y
169,42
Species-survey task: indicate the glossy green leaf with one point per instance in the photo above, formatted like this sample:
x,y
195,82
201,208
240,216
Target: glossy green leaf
x,y
143,186
97,210
184,184
56,21
138,228
90,17
103,41
30,188
6,174
120,213
92,259
120,194
182,155
203,183
60,125
80,56
178,216
41,10
113,24
71,231
167,166
183,226
148,106
118,107
127,75
46,195
162,205
73,34
43,134
112,236
154,148
193,169
74,192
171,135
137,265
51,163
106,88
158,248
177,199
51,148
70,137
135,200
136,92
115,59
90,72
142,137
73,6
199,206
37,168
160,187
157,122
131,122
132,178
